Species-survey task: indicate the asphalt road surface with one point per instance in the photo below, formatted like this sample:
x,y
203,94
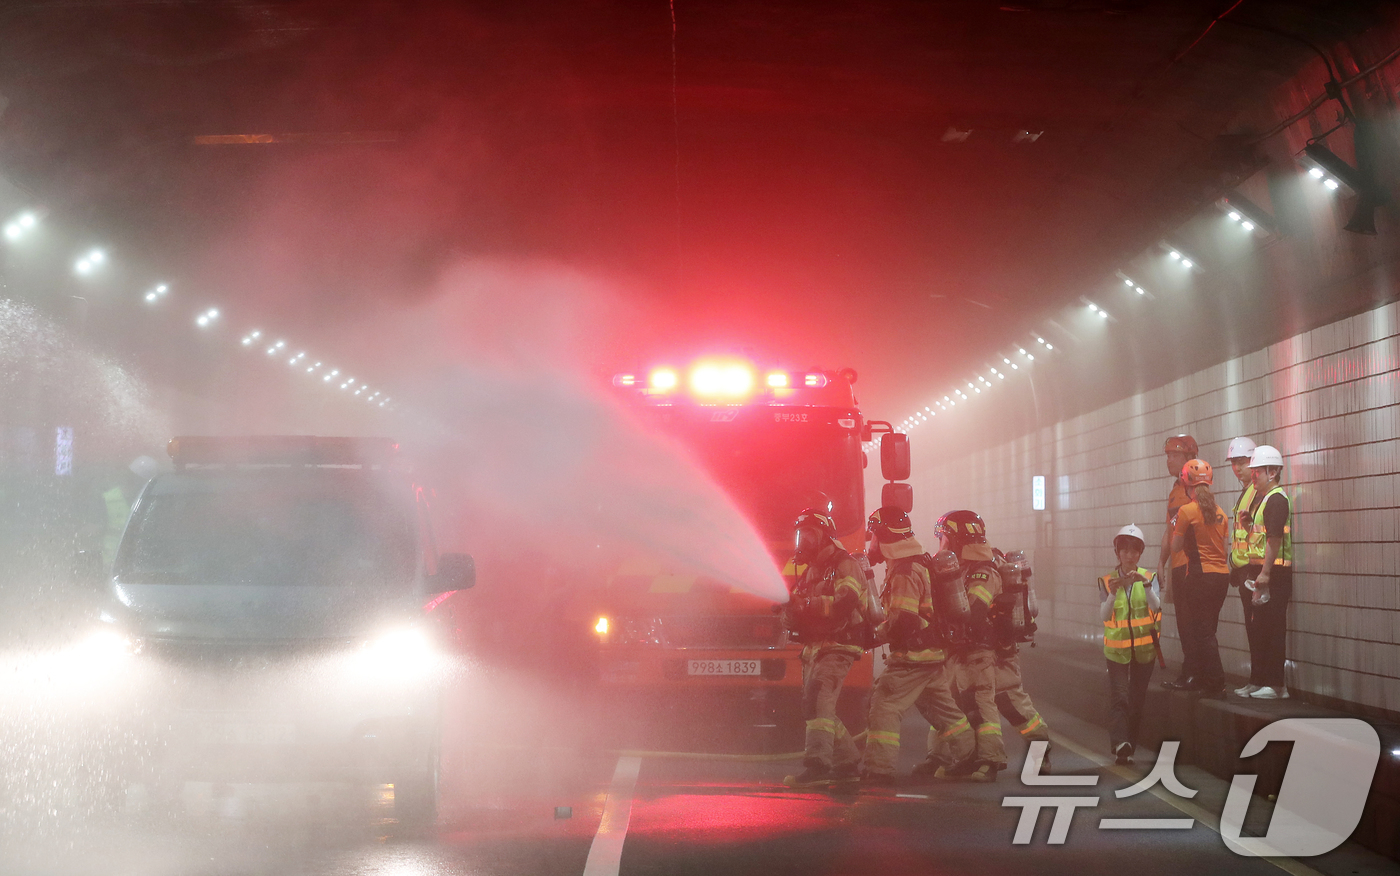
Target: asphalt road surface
x,y
519,800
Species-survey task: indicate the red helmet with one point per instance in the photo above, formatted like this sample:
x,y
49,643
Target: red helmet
x,y
962,527
1197,472
1182,444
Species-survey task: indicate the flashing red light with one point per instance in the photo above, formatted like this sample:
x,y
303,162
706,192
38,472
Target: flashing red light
x,y
664,379
728,380
778,380
815,380
624,380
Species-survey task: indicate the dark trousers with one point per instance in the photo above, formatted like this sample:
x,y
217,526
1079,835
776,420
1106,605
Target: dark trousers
x,y
1198,604
1270,622
1127,692
1237,579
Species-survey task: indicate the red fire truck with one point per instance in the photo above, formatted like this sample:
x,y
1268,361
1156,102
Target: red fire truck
x,y
777,441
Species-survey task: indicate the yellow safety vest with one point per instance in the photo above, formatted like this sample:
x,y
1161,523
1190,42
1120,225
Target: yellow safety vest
x,y
1258,536
1239,534
1127,636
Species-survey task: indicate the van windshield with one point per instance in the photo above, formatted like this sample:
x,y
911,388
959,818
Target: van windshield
x,y
268,527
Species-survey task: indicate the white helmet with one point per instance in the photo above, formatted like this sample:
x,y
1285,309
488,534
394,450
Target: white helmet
x,y
1266,454
1240,448
1131,531
144,467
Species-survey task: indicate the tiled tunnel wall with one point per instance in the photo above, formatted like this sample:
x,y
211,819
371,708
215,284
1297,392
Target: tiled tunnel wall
x,y
1328,399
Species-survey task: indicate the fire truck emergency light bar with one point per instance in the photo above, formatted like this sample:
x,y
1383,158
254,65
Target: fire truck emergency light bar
x,y
305,450
727,381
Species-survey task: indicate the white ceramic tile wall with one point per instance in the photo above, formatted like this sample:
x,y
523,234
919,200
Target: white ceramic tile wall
x,y
1329,399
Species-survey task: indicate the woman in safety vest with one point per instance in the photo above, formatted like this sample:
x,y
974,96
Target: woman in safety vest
x,y
1131,614
1240,452
1201,532
1270,571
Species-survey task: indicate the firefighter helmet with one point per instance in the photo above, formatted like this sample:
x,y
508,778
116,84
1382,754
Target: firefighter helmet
x,y
1240,448
962,528
1130,532
1197,472
815,530
1181,444
889,524
820,519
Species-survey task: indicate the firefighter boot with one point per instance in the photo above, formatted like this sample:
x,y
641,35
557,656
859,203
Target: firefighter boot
x,y
815,775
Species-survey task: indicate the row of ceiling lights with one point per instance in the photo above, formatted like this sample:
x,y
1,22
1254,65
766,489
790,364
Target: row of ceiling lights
x,y
328,374
91,262
1237,209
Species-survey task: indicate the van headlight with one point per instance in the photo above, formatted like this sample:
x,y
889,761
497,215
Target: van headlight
x,y
102,647
405,651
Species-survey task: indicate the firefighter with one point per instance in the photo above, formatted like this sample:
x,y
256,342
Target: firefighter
x,y
974,663
916,669
1179,449
1012,701
827,614
1238,454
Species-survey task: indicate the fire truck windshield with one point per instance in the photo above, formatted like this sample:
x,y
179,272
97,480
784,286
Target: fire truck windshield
x,y
773,470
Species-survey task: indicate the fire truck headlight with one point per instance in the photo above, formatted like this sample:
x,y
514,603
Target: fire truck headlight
x,y
630,631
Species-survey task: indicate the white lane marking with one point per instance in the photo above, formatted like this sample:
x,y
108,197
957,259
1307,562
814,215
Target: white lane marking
x,y
1288,865
912,796
605,855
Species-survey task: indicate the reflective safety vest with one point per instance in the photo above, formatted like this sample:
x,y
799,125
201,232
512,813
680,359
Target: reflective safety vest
x,y
1127,636
1239,532
1258,536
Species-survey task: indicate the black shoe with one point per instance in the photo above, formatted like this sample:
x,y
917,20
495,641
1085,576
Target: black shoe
x,y
956,773
1211,692
1124,753
1186,682
925,768
984,773
846,774
877,780
811,777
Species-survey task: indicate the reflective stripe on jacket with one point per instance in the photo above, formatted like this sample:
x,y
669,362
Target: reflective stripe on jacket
x,y
1259,536
908,590
833,573
1239,529
1128,635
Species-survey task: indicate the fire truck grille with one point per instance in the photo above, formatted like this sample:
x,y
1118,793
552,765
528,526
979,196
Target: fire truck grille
x,y
723,632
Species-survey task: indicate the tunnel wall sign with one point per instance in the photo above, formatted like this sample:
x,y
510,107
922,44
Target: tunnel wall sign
x,y
1038,493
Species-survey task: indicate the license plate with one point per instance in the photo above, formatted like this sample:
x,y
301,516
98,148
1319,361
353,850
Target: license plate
x,y
248,734
723,667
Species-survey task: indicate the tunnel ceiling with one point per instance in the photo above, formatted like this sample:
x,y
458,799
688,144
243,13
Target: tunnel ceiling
x,y
896,186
